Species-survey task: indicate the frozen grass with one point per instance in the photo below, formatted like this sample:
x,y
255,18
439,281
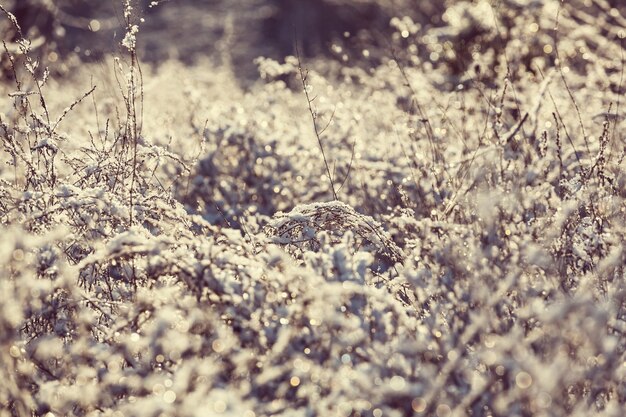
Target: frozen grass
x,y
171,245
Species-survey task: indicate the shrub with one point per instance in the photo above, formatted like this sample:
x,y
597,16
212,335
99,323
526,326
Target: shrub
x,y
468,261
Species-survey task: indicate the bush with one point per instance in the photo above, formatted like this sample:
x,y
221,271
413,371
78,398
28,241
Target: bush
x,y
186,250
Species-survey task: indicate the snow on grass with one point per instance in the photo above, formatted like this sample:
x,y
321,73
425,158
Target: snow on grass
x,y
189,259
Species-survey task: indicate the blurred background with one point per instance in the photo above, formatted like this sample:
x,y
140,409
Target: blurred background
x,y
451,36
187,30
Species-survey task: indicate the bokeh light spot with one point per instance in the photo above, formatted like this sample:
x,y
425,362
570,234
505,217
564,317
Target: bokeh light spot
x,y
523,380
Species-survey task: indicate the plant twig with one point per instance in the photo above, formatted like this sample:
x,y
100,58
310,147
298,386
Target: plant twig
x,y
318,132
71,107
349,167
559,65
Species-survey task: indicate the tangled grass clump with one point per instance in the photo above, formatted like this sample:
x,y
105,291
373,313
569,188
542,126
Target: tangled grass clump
x,y
299,229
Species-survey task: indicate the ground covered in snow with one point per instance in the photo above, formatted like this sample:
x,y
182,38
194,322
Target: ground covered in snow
x,y
421,215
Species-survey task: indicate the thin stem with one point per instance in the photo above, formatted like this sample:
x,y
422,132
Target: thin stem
x,y
318,132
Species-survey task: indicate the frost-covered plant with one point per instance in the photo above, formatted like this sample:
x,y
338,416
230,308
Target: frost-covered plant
x,y
299,230
238,173
472,265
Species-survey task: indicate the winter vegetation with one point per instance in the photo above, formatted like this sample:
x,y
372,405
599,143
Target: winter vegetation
x,y
417,210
